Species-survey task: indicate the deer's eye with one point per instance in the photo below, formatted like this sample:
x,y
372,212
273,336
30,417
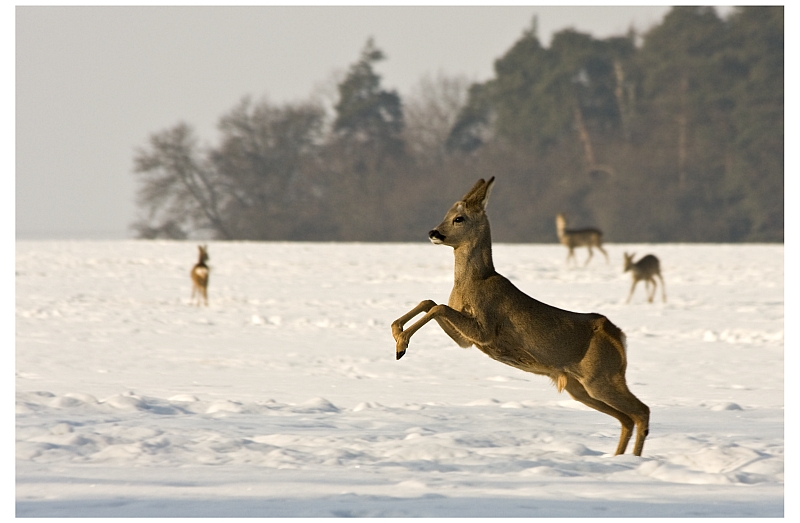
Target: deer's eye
x,y
458,219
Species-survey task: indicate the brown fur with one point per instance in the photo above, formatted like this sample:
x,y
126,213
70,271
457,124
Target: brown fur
x,y
199,274
583,354
571,238
645,269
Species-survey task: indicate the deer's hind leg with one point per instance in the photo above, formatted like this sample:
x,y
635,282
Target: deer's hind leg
x,y
578,393
655,288
613,391
602,374
663,290
590,255
603,251
650,289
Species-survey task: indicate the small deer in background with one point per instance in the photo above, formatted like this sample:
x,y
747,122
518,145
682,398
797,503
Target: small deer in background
x,y
582,353
571,238
645,269
199,276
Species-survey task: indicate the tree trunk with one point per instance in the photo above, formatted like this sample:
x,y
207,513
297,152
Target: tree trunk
x,y
584,136
682,124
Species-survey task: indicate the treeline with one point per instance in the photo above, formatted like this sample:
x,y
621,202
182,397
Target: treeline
x,y
673,135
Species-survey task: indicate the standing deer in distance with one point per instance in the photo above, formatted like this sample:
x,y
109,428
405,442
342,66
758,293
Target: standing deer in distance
x,y
199,276
571,238
645,269
582,353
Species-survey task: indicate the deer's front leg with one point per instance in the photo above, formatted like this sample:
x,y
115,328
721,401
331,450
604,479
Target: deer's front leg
x,y
631,293
466,327
397,325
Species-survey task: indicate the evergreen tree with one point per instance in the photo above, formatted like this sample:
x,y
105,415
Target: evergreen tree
x,y
366,114
542,96
756,51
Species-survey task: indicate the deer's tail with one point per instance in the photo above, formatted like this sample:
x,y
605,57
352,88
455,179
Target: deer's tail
x,y
613,334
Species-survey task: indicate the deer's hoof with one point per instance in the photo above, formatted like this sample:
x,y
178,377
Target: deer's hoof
x,y
400,354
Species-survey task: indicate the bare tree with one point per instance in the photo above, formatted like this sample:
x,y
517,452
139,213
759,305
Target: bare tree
x,y
263,161
260,183
431,111
179,189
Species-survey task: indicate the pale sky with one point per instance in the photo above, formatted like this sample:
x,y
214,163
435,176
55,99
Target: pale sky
x,y
92,83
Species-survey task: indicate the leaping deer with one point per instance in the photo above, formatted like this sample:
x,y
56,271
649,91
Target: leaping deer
x,y
571,238
582,353
199,276
645,269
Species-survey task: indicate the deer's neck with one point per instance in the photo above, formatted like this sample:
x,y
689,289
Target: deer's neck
x,y
474,259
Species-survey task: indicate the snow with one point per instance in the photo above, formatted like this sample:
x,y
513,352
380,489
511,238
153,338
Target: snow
x,y
284,398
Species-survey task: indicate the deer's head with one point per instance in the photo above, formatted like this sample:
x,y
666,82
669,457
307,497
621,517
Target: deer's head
x,y
628,261
466,220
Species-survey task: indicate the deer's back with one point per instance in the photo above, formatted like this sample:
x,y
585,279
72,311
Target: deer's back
x,y
647,266
582,237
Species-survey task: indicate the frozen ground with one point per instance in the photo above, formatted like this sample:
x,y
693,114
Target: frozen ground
x,y
283,397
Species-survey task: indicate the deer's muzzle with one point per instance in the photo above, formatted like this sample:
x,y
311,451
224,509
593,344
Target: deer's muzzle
x,y
436,236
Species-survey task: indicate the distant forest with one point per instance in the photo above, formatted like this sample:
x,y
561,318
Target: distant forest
x,y
674,135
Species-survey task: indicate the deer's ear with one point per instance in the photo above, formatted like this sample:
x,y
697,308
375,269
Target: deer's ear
x,y
487,190
475,188
478,196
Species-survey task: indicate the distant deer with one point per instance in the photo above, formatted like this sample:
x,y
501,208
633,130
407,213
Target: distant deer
x,y
582,353
645,269
199,276
571,238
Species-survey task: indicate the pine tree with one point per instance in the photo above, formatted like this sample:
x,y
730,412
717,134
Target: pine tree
x,y
366,114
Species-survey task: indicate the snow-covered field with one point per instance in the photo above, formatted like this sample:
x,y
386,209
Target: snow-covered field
x,y
284,398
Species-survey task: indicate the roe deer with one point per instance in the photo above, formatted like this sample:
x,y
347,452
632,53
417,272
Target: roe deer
x,y
199,276
571,238
645,269
582,353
